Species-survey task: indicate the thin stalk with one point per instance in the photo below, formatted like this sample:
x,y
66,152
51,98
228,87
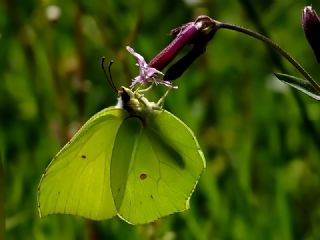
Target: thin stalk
x,y
273,45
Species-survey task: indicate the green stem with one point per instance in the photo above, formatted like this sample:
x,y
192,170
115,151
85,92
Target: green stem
x,y
273,45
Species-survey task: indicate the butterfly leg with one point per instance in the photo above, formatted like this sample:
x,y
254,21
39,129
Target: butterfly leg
x,y
145,89
161,100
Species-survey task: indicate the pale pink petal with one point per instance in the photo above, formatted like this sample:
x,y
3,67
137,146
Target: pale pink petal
x,y
140,59
147,74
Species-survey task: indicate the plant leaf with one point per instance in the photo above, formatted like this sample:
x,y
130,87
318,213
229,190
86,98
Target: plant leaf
x,y
300,84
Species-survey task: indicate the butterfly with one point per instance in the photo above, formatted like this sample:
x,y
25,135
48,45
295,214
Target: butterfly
x,y
135,160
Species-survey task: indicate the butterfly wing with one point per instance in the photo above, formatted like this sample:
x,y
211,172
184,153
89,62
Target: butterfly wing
x,y
154,173
77,181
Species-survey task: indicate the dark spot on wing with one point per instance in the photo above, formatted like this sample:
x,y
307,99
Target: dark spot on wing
x,y
143,176
83,156
151,196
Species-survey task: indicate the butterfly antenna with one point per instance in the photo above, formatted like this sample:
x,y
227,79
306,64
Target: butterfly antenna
x,y
108,76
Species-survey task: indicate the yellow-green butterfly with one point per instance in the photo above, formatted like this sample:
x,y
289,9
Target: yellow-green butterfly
x,y
134,160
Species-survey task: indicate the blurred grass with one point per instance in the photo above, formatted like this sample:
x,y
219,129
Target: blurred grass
x,y
263,172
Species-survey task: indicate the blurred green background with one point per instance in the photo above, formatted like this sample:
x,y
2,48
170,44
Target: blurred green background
x,y
260,138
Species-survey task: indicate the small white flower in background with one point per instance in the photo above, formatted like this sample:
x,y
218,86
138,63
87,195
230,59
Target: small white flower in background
x,y
53,12
147,74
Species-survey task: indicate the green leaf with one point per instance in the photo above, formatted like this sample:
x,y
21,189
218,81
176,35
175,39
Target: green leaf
x,y
300,84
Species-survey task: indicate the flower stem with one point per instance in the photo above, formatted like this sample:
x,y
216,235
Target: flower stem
x,y
273,45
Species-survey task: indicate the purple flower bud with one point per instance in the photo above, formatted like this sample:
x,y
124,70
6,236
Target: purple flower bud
x,y
311,27
167,55
199,47
198,33
184,35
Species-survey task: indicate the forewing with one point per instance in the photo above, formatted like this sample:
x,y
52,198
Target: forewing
x,y
162,168
77,181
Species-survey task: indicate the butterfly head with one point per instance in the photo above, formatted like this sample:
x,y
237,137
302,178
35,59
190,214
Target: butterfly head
x,y
135,103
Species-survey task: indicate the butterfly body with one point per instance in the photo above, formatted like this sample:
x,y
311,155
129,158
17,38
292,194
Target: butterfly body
x,y
134,160
136,104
